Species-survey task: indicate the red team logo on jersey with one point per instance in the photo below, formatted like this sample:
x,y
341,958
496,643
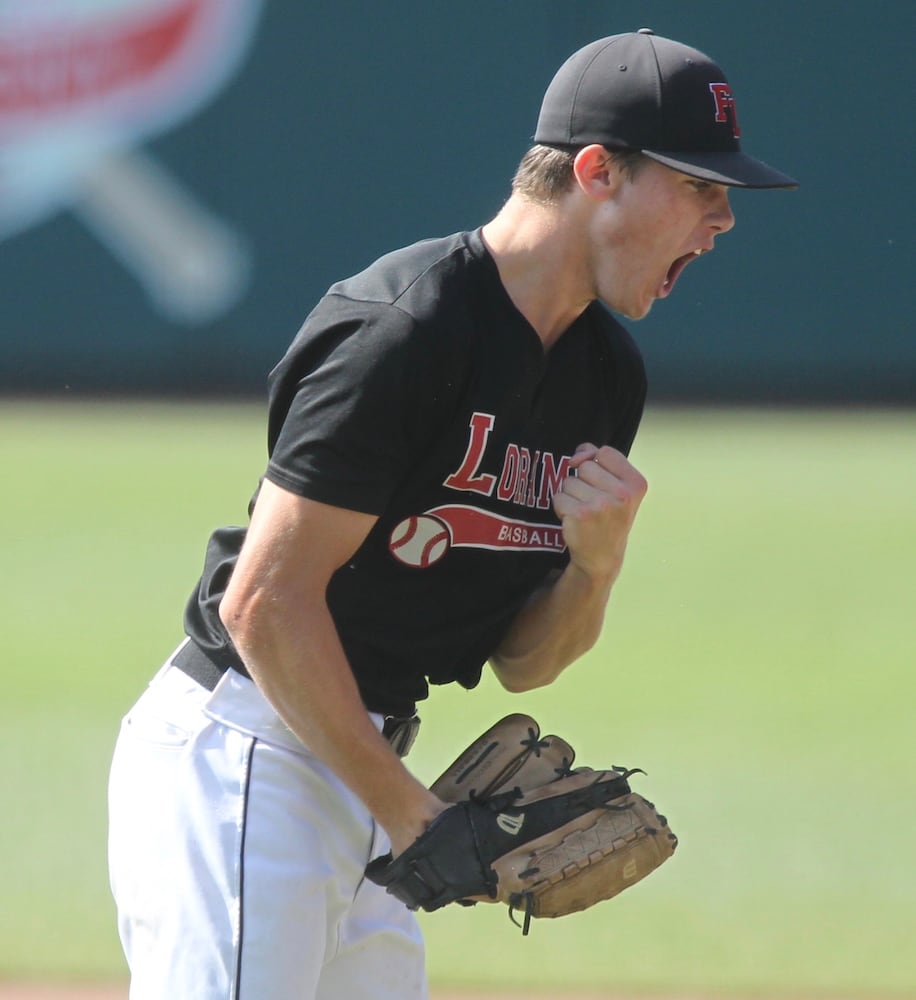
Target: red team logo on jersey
x,y
528,479
420,541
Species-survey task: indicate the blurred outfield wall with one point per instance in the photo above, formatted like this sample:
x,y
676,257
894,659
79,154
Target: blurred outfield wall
x,y
181,179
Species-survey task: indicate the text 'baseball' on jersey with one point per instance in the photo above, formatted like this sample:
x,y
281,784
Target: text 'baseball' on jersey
x,y
528,479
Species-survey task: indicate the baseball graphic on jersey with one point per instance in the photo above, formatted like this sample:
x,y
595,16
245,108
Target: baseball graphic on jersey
x,y
419,540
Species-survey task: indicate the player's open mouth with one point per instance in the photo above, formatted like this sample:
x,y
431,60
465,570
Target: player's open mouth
x,y
674,272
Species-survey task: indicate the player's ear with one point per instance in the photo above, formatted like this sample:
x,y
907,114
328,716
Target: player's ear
x,y
596,173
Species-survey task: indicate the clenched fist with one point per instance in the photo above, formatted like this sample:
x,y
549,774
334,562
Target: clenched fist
x,y
597,506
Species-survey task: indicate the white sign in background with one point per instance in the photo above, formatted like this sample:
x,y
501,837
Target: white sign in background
x,y
83,84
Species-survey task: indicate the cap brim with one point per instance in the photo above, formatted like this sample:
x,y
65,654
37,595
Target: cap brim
x,y
733,169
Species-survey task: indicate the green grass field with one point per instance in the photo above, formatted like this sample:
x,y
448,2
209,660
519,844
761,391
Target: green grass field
x,y
757,661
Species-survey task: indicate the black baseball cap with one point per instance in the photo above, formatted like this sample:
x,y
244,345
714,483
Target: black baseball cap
x,y
644,92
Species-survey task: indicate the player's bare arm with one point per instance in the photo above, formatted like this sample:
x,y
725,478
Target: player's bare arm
x,y
597,508
277,616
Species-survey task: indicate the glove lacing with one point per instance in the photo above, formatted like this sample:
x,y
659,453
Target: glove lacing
x,y
528,899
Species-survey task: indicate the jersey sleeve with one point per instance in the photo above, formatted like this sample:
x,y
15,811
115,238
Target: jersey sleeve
x,y
345,405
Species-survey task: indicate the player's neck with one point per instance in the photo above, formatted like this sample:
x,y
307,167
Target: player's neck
x,y
537,257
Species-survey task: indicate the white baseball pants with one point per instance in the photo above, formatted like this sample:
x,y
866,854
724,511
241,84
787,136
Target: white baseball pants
x,y
237,859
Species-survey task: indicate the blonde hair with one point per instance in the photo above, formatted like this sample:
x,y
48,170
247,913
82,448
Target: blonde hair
x,y
545,172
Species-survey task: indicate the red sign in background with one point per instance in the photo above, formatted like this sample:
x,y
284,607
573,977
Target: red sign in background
x,y
82,86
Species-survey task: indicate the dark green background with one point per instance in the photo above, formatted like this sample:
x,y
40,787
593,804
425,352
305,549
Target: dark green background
x,y
356,127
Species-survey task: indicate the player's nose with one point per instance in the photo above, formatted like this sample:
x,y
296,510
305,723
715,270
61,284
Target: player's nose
x,y
721,217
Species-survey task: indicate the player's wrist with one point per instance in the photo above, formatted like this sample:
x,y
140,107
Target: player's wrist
x,y
405,817
591,578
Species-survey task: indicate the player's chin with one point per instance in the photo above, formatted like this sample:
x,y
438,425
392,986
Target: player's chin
x,y
636,311
635,304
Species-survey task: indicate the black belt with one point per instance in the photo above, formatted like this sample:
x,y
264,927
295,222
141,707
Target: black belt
x,y
401,732
194,662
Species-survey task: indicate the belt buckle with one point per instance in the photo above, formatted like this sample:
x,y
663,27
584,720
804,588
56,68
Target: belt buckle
x,y
401,733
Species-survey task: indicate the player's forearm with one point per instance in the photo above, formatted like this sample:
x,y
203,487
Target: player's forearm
x,y
596,505
558,625
297,661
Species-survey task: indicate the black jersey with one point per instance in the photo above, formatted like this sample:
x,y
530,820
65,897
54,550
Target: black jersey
x,y
417,392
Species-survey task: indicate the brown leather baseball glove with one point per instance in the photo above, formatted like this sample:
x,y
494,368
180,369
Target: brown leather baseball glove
x,y
528,830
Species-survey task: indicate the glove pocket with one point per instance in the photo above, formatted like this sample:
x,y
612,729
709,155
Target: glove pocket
x,y
589,859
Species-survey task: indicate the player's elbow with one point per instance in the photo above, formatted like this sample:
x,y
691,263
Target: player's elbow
x,y
516,686
242,610
518,677
229,613
233,617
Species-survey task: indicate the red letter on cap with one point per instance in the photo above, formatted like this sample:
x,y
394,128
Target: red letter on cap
x,y
725,106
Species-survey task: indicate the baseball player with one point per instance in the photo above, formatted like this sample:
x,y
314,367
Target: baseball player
x,y
447,487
